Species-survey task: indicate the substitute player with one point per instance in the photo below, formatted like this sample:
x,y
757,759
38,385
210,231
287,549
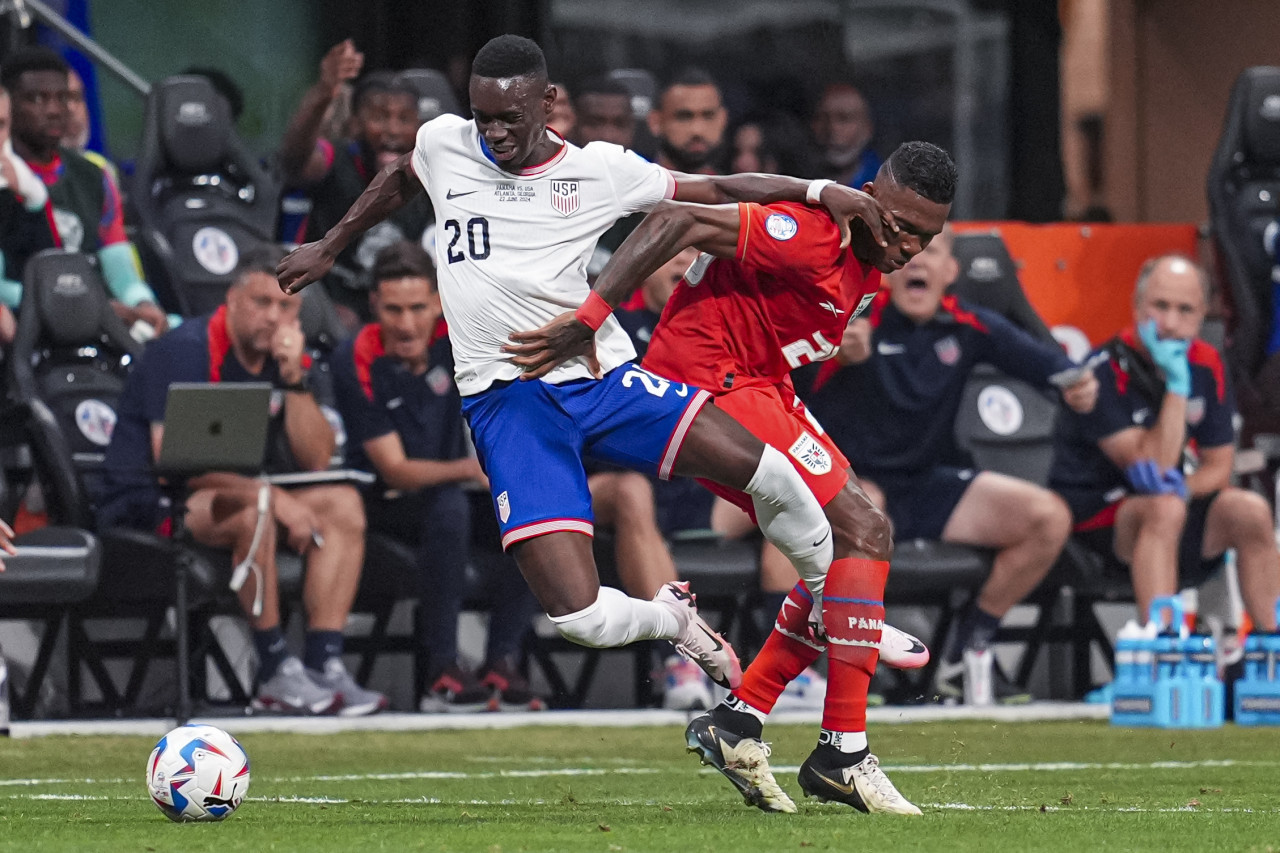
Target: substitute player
x,y
777,294
519,212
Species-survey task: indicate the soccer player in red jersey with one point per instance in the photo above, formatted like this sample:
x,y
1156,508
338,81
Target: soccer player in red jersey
x,y
773,291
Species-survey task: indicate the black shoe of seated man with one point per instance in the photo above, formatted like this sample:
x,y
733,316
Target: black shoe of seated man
x,y
510,688
456,691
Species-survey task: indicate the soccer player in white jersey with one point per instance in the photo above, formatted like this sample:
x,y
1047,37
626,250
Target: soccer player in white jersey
x,y
519,211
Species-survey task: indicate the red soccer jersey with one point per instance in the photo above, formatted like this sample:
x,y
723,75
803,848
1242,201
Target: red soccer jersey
x,y
782,302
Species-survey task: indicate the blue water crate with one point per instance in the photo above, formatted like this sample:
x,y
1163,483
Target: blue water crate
x,y
1167,679
1257,701
1202,693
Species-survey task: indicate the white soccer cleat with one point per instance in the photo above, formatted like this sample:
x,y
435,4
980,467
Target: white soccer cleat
x,y
900,650
744,761
696,640
863,786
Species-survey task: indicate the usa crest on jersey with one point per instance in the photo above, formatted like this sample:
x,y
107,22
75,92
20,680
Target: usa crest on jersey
x,y
564,197
948,350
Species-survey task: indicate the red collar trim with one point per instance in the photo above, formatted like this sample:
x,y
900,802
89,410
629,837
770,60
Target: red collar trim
x,y
368,349
219,343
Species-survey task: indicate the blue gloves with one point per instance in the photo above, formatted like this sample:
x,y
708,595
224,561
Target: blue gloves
x,y
1148,478
1170,355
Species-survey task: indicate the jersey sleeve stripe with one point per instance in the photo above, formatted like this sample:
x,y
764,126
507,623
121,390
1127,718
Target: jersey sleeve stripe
x,y
744,229
678,435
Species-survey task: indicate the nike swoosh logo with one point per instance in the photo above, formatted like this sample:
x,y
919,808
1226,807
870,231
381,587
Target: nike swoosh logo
x,y
843,788
890,349
823,539
713,638
451,195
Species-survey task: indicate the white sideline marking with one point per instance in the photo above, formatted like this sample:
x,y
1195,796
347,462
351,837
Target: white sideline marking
x,y
624,718
437,801
967,807
1045,767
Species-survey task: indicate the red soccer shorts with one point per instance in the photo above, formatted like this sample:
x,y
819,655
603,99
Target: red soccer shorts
x,y
777,417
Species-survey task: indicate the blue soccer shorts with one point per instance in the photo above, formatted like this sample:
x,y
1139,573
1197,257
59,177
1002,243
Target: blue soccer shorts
x,y
531,438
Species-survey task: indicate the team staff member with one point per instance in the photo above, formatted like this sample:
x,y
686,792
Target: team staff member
x,y
1164,393
254,337
403,417
892,409
86,213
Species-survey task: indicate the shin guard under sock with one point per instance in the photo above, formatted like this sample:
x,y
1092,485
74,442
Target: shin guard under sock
x,y
853,616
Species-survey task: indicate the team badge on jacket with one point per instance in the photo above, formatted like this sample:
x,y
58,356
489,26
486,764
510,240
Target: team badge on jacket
x,y
948,350
564,197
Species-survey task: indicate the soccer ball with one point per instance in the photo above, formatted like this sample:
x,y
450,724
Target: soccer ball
x,y
198,773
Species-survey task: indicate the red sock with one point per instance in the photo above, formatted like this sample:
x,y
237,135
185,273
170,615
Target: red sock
x,y
853,615
788,651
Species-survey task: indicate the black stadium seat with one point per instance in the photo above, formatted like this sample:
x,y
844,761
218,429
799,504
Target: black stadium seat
x,y
1244,212
989,278
200,196
70,358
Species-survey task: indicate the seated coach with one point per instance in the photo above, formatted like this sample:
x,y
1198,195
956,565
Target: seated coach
x,y
253,337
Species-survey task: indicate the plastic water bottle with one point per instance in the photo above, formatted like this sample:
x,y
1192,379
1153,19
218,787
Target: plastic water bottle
x,y
1129,646
4,698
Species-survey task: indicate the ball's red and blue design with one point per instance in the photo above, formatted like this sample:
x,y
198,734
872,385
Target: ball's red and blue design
x,y
198,772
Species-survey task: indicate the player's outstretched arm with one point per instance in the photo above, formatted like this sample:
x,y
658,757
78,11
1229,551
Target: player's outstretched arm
x,y
391,189
843,203
669,228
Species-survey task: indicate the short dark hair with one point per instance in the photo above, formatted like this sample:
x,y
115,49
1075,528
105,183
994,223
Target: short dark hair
x,y
403,259
31,59
925,169
600,86
378,82
509,56
690,75
263,257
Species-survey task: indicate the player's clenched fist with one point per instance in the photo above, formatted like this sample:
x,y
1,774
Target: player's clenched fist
x,y
855,344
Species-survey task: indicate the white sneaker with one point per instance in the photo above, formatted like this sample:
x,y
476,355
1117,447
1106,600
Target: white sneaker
x,y
696,641
806,692
356,701
901,650
685,686
291,691
863,786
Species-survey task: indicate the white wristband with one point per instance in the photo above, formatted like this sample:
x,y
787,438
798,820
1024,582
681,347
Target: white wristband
x,y
814,193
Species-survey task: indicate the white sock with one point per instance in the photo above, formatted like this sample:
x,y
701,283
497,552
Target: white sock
x,y
844,741
791,518
614,619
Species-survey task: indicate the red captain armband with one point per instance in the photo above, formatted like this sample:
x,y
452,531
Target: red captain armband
x,y
593,312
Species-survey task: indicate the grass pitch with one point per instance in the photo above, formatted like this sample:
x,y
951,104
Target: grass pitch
x,y
983,786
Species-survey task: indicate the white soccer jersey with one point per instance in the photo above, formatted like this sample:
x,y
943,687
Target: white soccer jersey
x,y
512,249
